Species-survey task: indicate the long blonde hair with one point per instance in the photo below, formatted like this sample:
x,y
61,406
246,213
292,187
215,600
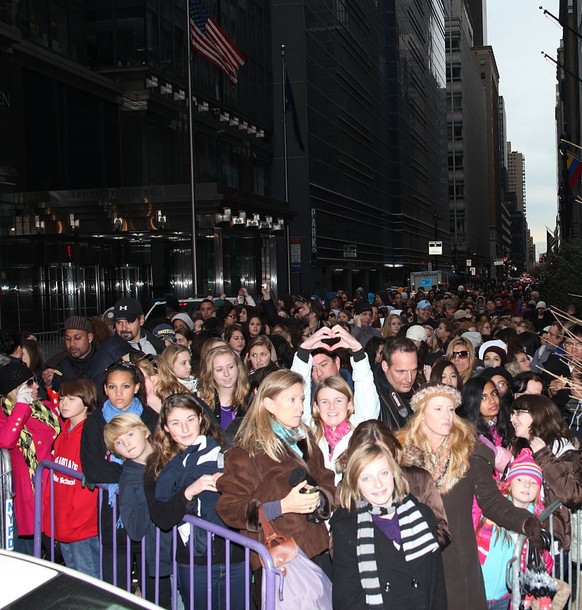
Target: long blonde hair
x,y
167,383
206,385
462,437
256,431
468,346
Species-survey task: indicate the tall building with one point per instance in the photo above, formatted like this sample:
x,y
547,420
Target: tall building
x,y
516,176
569,120
369,189
468,147
499,235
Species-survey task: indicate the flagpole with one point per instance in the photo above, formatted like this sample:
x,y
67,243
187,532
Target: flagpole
x,y
191,142
571,143
285,160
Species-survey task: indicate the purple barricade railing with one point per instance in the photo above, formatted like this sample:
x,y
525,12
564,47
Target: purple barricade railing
x,y
212,530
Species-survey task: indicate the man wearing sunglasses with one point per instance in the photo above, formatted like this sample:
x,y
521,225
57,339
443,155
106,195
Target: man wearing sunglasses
x,y
130,336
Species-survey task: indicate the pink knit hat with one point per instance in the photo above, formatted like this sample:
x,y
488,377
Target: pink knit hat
x,y
524,465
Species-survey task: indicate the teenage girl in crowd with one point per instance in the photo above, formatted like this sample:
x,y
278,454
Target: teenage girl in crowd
x,y
159,380
223,385
178,358
180,479
334,419
385,548
122,384
127,437
28,427
540,425
75,506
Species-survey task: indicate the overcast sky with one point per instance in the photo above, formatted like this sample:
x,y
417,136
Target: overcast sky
x,y
518,31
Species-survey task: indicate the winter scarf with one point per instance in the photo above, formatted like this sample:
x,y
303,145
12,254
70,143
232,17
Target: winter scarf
x,y
417,541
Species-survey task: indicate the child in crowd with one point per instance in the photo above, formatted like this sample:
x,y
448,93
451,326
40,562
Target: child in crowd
x,y
180,479
178,357
495,545
385,549
129,438
75,506
122,383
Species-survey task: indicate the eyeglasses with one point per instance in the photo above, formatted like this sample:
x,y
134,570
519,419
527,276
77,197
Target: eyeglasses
x,y
231,315
519,412
462,354
300,298
500,384
32,381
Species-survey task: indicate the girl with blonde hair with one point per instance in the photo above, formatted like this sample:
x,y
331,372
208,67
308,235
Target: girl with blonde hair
x,y
382,534
392,325
334,418
178,359
223,384
437,439
159,380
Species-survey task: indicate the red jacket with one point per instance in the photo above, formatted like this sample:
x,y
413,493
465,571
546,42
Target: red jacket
x,y
42,436
75,507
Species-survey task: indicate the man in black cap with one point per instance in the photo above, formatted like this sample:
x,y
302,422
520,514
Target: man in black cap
x,y
130,336
78,338
362,330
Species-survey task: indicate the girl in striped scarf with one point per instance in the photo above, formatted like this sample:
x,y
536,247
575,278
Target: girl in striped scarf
x,y
385,549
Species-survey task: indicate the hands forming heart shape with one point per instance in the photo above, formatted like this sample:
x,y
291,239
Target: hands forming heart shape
x,y
331,339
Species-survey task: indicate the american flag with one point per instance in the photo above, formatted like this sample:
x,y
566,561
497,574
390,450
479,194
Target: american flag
x,y
211,42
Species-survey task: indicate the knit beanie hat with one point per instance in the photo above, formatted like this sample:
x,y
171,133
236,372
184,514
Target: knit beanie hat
x,y
432,389
497,347
13,373
185,318
524,465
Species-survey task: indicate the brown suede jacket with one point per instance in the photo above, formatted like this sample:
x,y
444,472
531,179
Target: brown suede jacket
x,y
248,481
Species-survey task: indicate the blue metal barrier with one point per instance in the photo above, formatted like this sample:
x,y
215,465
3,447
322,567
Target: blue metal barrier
x,y
270,573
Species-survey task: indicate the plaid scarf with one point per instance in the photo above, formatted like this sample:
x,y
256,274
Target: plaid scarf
x,y
417,541
25,441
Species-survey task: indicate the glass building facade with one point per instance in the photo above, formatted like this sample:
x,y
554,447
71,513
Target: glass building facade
x,y
95,161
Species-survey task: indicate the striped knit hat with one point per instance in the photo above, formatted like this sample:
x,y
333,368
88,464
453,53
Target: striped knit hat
x,y
524,465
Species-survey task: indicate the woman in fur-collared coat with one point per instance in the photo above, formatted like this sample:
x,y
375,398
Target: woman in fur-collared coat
x,y
273,462
438,440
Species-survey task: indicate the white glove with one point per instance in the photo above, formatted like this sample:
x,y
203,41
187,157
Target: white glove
x,y
24,394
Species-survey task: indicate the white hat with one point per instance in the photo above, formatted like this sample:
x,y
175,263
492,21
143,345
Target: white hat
x,y
416,333
541,305
474,337
404,295
489,344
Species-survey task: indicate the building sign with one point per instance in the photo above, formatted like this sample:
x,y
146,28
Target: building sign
x,y
295,254
435,248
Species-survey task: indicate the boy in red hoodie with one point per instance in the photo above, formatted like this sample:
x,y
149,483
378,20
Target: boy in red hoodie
x,y
75,506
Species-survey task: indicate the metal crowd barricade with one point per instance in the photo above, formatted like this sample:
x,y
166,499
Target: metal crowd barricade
x,y
270,573
566,564
6,502
51,342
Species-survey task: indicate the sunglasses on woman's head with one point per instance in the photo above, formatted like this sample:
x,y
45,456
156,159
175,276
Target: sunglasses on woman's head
x,y
125,364
30,382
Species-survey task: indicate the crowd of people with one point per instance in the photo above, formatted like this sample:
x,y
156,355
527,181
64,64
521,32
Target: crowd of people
x,y
403,440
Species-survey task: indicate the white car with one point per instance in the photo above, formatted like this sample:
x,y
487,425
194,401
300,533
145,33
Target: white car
x,y
28,582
